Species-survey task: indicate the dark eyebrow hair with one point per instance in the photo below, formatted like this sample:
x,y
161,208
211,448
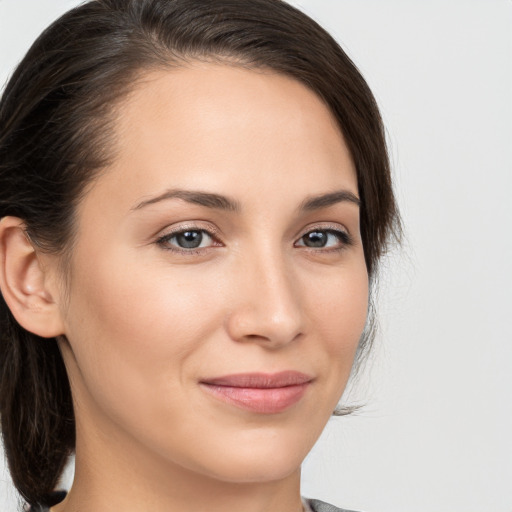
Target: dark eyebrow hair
x,y
326,200
207,199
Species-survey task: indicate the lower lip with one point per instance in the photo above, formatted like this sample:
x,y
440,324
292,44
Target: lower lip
x,y
260,400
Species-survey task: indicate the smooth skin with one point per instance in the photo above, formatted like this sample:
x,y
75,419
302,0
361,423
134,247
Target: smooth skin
x,y
277,281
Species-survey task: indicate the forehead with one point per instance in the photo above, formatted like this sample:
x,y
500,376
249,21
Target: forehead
x,y
213,126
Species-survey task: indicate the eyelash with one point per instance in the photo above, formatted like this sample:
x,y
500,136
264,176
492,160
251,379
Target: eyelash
x,y
344,238
164,240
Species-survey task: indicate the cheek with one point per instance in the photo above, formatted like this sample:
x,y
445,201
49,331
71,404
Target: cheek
x,y
133,329
339,313
340,310
148,305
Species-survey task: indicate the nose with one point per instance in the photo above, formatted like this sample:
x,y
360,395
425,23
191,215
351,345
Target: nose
x,y
266,305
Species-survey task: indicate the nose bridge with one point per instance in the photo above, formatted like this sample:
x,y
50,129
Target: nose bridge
x,y
268,303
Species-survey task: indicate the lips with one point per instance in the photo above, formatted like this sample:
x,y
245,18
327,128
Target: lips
x,y
259,392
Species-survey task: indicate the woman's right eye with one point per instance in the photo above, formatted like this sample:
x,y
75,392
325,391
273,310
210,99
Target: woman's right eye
x,y
187,240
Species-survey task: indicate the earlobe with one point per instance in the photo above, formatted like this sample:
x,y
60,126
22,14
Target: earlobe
x,y
24,282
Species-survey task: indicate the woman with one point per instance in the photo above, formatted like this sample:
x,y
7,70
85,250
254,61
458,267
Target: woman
x,y
194,198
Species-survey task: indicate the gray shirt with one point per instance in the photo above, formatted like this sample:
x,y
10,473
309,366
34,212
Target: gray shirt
x,y
321,506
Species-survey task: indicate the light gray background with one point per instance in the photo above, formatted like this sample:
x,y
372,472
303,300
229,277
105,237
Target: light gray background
x,y
436,432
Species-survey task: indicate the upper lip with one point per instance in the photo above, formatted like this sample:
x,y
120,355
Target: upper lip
x,y
260,380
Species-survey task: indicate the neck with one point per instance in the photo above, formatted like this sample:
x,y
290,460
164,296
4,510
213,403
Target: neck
x,y
113,474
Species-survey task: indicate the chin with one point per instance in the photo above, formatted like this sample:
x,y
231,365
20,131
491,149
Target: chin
x,y
257,470
265,457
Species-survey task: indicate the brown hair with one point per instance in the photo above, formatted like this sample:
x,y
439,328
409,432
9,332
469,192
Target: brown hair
x,y
56,117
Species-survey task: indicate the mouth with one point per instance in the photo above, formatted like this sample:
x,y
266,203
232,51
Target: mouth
x,y
259,392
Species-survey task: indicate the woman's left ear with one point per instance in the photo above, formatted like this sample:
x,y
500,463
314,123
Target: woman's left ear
x,y
28,287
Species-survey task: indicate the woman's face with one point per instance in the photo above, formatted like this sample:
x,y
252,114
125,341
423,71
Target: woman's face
x,y
223,241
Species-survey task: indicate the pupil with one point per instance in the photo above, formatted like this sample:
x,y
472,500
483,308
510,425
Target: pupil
x,y
189,239
315,239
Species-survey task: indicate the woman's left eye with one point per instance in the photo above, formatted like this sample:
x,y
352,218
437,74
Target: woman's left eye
x,y
324,239
188,239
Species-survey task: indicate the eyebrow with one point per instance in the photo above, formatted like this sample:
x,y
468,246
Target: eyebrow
x,y
220,202
330,199
207,199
